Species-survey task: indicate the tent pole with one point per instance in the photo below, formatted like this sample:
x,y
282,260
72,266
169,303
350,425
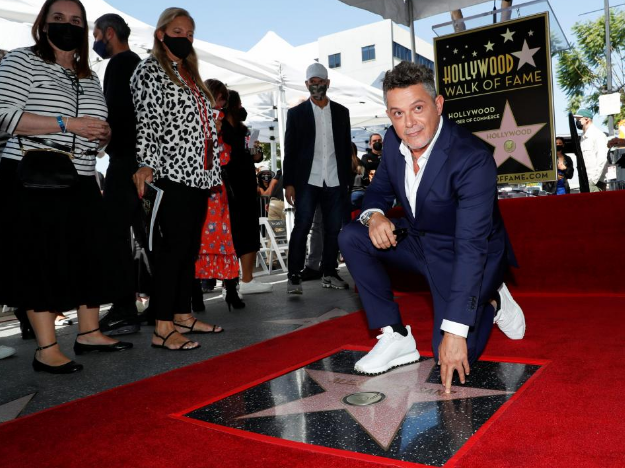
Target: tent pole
x,y
412,39
273,144
290,218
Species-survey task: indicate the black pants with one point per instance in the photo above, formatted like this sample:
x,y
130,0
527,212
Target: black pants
x,y
122,212
180,219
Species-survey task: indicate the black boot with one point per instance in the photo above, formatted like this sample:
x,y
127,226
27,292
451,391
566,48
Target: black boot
x,y
232,295
26,329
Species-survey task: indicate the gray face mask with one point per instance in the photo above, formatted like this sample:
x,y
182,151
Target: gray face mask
x,y
318,91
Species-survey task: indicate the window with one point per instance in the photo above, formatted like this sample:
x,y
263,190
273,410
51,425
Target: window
x,y
404,53
368,53
334,60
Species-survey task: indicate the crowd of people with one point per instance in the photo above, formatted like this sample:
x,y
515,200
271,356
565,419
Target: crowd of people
x,y
68,245
65,245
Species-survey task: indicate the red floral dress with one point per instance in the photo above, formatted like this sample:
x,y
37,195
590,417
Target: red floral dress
x,y
217,258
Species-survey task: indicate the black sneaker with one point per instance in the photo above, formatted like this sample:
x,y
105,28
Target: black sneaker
x,y
308,274
294,284
334,281
120,321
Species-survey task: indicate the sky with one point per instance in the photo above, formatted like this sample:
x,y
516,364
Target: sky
x,y
240,24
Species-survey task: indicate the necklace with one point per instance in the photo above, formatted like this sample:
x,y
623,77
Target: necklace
x,y
204,119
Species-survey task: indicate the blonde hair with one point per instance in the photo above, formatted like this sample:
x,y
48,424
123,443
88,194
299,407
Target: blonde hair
x,y
190,63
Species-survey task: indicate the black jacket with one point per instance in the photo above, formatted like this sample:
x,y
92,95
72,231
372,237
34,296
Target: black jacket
x,y
299,144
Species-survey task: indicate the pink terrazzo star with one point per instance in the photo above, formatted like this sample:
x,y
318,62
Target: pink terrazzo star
x,y
402,387
509,140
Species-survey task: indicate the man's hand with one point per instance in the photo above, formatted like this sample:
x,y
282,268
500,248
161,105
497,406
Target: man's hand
x,y
289,193
381,231
143,175
453,356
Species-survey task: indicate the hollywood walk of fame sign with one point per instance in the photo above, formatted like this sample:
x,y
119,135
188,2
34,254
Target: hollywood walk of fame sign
x,y
403,415
496,82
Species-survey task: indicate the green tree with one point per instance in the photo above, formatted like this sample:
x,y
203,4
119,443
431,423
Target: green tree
x,y
582,69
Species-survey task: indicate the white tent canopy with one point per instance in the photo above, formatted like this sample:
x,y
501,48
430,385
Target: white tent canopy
x,y
270,76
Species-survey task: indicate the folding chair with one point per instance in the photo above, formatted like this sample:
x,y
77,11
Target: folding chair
x,y
274,244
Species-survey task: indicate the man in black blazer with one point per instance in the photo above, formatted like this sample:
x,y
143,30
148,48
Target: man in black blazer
x,y
317,171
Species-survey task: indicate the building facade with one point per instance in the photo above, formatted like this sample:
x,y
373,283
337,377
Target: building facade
x,y
367,52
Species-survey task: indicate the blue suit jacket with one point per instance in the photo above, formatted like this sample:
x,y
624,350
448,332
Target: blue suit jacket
x,y
457,219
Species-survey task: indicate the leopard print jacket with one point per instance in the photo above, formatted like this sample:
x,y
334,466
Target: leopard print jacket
x,y
170,138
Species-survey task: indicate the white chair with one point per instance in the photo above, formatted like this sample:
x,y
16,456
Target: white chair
x,y
273,244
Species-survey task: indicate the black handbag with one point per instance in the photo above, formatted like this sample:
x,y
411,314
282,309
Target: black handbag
x,y
50,168
47,169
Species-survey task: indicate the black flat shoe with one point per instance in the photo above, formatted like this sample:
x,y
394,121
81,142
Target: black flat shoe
x,y
67,368
80,348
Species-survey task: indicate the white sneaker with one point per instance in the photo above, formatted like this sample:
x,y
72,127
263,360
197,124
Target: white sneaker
x,y
6,351
392,350
254,287
510,318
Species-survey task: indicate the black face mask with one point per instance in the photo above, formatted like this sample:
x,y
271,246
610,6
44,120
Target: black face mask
x,y
559,147
242,114
579,125
99,47
66,36
377,146
318,91
181,47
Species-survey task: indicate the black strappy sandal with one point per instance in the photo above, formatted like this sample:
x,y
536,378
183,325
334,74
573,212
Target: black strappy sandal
x,y
67,368
198,332
182,348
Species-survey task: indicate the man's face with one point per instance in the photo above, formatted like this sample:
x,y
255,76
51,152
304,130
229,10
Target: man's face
x,y
414,115
376,143
317,88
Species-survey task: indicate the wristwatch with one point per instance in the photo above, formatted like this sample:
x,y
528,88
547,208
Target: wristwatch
x,y
366,217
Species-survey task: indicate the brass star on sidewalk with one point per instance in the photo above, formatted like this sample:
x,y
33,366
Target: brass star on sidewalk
x,y
402,388
509,140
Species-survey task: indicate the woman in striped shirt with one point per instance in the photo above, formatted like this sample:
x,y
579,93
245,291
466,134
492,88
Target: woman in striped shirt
x,y
51,254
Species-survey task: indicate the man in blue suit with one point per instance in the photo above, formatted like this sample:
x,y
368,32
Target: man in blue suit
x,y
317,171
446,181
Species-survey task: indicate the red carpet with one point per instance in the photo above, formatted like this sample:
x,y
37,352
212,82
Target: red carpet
x,y
572,414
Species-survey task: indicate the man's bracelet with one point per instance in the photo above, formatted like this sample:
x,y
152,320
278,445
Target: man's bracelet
x,y
59,120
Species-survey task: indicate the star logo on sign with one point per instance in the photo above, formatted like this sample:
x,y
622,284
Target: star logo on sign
x,y
507,36
509,140
474,53
526,55
489,46
530,33
402,388
455,51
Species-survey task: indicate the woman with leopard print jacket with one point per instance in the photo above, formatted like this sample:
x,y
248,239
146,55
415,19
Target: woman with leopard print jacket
x,y
177,148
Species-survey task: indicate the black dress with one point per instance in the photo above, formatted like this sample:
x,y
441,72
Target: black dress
x,y
240,180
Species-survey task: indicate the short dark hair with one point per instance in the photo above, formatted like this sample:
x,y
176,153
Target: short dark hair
x,y
119,25
372,135
407,74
